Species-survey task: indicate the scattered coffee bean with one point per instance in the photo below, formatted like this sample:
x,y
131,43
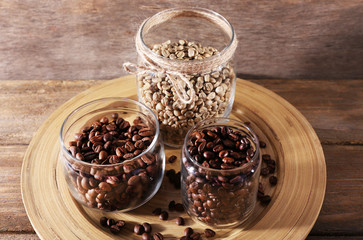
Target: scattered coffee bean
x,y
120,223
171,206
156,211
265,171
180,221
147,227
273,180
115,229
208,233
262,144
103,221
110,222
265,200
188,231
179,207
158,236
139,229
172,159
146,236
195,236
164,215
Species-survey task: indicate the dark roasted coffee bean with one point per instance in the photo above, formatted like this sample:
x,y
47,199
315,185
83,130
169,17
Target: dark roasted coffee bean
x,y
103,221
139,144
172,159
146,236
113,159
228,143
164,215
208,233
114,116
146,132
110,222
139,229
262,144
147,227
265,200
103,155
265,171
158,236
179,207
156,211
129,155
171,206
130,147
273,180
217,148
208,155
195,236
223,153
180,221
120,223
188,231
115,229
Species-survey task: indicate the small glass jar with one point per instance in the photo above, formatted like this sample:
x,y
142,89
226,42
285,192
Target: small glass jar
x,y
185,68
120,186
215,193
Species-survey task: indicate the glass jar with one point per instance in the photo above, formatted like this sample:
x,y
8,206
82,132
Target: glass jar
x,y
221,191
185,68
95,139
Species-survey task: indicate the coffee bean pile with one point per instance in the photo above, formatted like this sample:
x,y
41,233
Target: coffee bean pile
x,y
219,198
124,184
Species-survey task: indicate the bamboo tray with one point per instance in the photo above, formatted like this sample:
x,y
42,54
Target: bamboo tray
x,y
296,199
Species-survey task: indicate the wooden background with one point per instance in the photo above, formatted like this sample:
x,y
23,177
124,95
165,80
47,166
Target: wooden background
x,y
309,52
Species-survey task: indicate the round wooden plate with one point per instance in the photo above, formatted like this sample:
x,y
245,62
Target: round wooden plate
x,y
296,199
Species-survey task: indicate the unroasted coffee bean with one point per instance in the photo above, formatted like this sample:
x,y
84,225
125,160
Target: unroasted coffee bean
x,y
139,229
164,215
180,221
147,227
208,233
172,158
273,180
156,211
188,231
158,236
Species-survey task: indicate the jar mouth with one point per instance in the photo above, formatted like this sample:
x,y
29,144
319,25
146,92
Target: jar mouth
x,y
204,13
113,99
220,124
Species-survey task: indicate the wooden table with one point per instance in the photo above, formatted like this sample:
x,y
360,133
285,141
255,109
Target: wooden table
x,y
73,41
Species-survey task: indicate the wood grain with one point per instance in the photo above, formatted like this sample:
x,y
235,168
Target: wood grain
x,y
79,39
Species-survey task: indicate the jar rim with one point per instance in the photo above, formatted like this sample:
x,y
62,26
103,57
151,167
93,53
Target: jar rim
x,y
211,13
115,99
221,119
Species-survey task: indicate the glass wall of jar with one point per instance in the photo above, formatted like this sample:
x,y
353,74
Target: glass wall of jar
x,y
220,172
185,68
113,154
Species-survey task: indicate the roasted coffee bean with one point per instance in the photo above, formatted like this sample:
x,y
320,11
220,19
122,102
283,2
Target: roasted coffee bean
x,y
156,211
115,229
208,155
114,116
146,132
195,236
147,227
103,221
110,222
273,180
265,171
139,229
180,221
146,236
265,200
208,233
179,207
164,215
158,236
171,206
120,223
103,155
114,159
188,231
172,159
262,144
184,238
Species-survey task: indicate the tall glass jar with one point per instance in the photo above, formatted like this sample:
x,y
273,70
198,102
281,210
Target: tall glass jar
x,y
220,172
185,68
95,140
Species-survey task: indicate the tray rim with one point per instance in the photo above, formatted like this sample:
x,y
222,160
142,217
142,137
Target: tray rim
x,y
303,121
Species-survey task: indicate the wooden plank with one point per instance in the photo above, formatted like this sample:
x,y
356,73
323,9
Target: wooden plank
x,y
334,108
19,236
78,39
341,213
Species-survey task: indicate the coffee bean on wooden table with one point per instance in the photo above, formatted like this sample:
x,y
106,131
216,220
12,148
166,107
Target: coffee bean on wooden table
x,y
103,221
158,236
180,221
146,236
273,180
172,159
156,211
188,231
195,236
208,233
171,206
147,227
139,229
164,215
115,229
